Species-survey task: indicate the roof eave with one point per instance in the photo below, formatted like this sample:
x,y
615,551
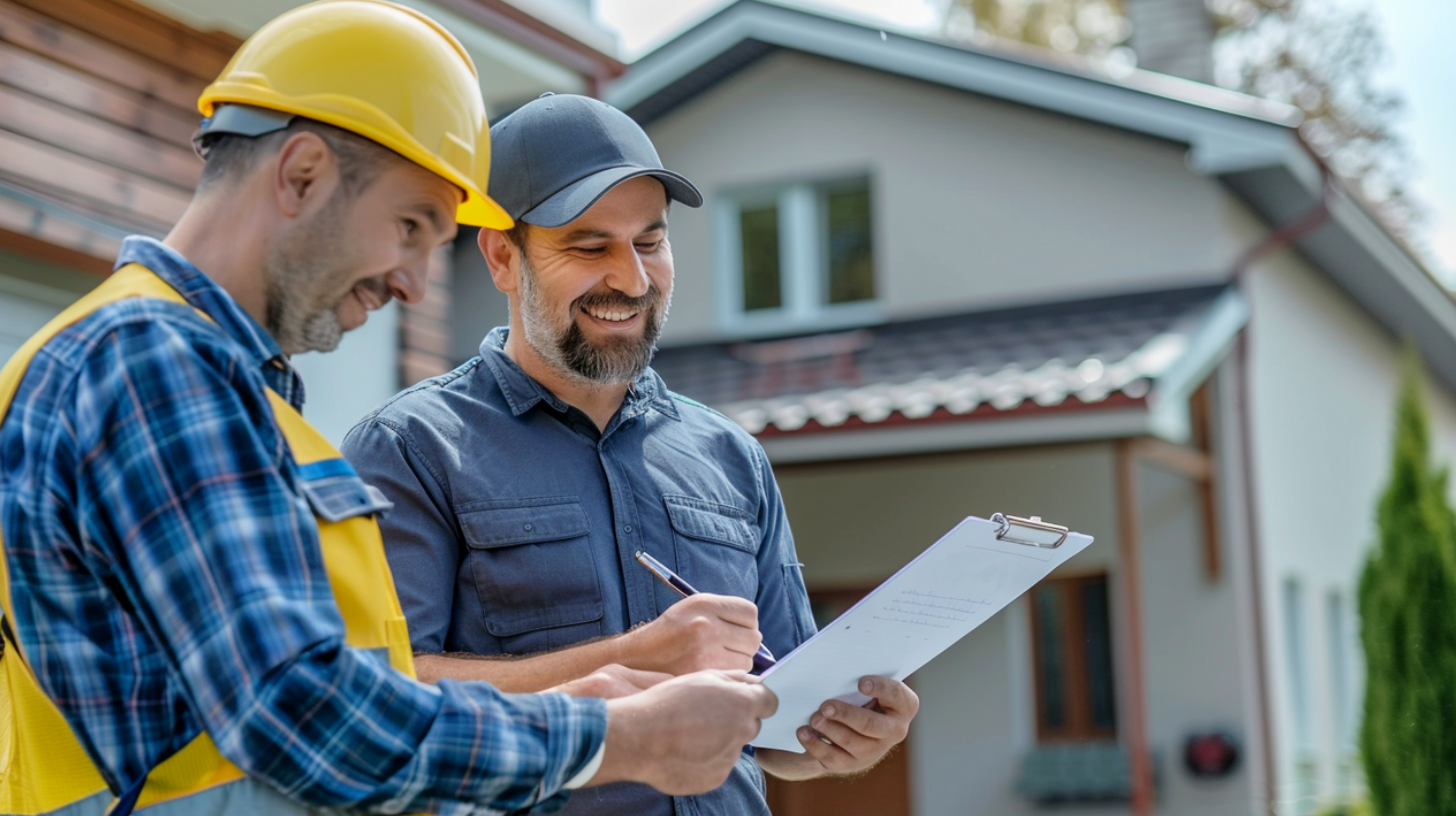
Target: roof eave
x,y
1151,103
1092,423
1357,253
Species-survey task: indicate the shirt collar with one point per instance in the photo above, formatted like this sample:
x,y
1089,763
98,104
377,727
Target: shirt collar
x,y
203,294
523,393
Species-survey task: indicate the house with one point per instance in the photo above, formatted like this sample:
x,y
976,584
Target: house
x,y
939,280
97,110
935,280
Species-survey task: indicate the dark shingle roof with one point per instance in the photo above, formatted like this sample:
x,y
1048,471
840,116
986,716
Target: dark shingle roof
x,y
1085,350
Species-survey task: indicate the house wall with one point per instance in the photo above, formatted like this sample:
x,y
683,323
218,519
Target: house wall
x,y
856,523
976,202
31,293
1324,381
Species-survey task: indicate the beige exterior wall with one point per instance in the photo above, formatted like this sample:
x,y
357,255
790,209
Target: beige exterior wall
x,y
1324,389
976,202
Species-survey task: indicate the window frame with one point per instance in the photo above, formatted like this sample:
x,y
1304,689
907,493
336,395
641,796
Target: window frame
x,y
803,265
1076,689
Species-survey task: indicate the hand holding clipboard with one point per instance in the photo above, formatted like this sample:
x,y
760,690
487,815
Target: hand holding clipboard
x,y
957,584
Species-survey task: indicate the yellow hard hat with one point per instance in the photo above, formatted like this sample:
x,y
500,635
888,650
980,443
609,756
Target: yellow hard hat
x,y
378,69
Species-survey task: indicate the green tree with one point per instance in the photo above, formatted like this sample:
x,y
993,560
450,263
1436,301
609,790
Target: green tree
x,y
1090,28
1325,59
1408,628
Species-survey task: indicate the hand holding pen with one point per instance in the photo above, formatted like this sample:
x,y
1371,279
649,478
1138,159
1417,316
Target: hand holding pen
x,y
762,659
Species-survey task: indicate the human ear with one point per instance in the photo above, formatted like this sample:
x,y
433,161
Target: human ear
x,y
502,257
303,166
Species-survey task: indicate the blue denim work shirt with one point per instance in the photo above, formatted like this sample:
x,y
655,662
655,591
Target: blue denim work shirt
x,y
515,523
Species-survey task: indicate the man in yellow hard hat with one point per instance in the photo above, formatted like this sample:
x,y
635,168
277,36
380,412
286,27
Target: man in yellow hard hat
x,y
197,613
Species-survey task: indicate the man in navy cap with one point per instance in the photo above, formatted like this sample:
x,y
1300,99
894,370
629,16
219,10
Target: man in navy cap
x,y
525,481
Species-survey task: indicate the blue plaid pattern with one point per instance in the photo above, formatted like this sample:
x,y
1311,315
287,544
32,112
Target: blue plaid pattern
x,y
167,579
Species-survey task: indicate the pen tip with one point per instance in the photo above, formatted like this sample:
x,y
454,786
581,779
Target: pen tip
x,y
637,554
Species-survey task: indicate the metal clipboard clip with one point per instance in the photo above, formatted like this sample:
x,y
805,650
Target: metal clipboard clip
x,y
1032,531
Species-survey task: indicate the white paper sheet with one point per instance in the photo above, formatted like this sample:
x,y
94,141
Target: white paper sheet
x,y
935,600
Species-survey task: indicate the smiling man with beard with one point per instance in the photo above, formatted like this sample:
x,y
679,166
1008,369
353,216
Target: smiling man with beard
x,y
525,481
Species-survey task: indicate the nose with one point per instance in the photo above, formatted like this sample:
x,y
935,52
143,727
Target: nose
x,y
408,283
628,274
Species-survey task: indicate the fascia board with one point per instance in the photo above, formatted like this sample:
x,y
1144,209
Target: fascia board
x,y
1163,107
1218,328
1075,426
1362,258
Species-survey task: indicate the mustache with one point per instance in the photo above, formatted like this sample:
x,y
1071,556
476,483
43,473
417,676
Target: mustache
x,y
376,287
642,303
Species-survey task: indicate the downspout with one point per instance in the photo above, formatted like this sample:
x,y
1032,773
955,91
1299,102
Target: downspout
x,y
1278,239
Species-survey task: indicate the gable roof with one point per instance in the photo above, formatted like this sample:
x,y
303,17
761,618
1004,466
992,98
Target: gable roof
x,y
1251,146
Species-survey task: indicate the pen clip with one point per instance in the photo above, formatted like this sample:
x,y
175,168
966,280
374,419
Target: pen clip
x,y
1032,531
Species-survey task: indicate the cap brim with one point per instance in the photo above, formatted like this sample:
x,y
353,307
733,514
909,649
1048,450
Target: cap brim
x,y
570,202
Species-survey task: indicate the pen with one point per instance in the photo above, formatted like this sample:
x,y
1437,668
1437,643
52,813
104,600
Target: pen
x,y
762,660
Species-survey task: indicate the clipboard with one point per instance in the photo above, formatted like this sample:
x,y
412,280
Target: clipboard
x,y
958,583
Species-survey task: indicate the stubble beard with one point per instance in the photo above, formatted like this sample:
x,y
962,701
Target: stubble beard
x,y
302,277
565,348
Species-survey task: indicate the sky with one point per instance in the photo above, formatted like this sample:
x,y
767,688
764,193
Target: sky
x,y
1421,66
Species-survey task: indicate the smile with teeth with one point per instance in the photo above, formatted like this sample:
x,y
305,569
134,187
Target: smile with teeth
x,y
610,315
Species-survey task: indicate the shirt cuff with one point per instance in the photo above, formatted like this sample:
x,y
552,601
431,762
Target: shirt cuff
x,y
588,771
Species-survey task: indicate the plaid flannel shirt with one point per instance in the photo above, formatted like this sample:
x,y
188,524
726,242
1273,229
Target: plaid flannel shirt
x,y
167,579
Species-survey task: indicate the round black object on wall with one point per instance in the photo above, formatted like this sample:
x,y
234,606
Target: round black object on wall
x,y
1210,755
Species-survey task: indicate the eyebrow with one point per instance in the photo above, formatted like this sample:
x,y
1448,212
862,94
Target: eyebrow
x,y
431,214
589,234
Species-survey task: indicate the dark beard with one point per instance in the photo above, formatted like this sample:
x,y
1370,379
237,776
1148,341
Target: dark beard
x,y
618,362
569,351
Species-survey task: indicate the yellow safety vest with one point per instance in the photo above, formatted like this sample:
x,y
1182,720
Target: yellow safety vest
x,y
44,769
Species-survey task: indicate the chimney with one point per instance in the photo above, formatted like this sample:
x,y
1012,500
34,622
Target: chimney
x,y
1173,37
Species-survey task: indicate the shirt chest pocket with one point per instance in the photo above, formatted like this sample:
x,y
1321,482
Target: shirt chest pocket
x,y
716,546
532,565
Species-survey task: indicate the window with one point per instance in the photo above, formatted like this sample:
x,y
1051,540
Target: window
x,y
795,255
1295,663
1072,653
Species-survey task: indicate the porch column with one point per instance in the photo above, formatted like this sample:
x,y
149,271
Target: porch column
x,y
1130,672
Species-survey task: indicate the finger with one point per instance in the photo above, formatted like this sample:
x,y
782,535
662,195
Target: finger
x,y
768,702
852,742
729,608
867,722
892,695
825,752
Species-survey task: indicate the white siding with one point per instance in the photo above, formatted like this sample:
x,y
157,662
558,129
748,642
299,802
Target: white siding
x,y
976,202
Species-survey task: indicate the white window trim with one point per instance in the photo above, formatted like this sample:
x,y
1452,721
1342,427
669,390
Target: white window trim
x,y
800,266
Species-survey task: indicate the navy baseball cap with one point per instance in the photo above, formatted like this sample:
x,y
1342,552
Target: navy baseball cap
x,y
553,157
